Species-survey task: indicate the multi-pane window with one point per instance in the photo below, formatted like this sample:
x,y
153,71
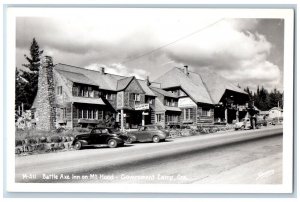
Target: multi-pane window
x,y
170,102
64,110
171,118
158,117
187,114
84,91
59,90
137,97
110,96
88,113
205,112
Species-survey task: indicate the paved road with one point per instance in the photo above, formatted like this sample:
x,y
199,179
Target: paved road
x,y
228,157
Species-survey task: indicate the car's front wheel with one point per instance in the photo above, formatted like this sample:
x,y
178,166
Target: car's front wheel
x,y
130,140
155,139
77,145
112,143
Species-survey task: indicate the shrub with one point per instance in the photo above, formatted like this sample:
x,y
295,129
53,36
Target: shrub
x,y
43,140
19,143
56,139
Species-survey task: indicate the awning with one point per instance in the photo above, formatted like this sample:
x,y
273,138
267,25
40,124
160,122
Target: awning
x,y
176,109
96,101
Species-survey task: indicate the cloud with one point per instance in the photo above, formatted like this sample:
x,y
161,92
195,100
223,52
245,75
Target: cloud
x,y
233,52
232,47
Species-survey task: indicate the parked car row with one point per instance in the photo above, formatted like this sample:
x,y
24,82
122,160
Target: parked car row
x,y
246,124
106,136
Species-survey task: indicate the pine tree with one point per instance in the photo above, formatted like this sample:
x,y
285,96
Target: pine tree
x,y
34,59
27,81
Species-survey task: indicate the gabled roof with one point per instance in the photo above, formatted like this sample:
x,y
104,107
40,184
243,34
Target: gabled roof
x,y
104,81
159,107
123,83
146,88
206,87
163,92
175,77
216,85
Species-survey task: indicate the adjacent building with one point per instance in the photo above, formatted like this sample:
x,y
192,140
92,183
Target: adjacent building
x,y
204,98
275,112
70,96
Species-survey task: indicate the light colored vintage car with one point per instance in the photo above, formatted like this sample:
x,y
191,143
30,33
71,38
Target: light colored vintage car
x,y
242,125
148,133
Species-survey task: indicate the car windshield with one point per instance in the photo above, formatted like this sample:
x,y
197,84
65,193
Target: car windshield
x,y
159,127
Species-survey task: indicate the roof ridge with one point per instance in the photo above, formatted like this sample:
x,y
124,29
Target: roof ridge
x,y
89,69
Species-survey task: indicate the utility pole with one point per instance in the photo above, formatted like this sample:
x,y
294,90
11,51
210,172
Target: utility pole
x,y
278,115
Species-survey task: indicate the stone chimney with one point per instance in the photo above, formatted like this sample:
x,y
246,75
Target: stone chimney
x,y
148,81
186,70
102,70
45,96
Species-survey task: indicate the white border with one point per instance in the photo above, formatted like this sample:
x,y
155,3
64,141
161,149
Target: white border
x,y
286,187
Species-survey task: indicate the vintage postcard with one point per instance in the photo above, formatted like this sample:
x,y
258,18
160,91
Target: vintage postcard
x,y
185,100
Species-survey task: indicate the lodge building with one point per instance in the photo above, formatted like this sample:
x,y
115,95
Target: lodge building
x,y
71,97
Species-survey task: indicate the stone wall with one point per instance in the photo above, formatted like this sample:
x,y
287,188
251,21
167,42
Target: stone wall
x,y
45,109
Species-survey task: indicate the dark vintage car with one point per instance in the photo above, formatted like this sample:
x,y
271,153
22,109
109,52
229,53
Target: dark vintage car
x,y
99,136
148,133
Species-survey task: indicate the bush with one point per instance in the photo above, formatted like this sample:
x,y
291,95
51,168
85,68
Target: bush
x,y
43,140
56,139
19,143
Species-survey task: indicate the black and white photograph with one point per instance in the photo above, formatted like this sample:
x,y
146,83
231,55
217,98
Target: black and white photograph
x,y
155,98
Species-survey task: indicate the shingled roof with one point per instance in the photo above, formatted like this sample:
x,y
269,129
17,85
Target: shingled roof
x,y
216,85
163,92
176,77
76,77
104,81
123,83
205,87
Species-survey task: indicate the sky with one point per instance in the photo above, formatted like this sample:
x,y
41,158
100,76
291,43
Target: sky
x,y
248,52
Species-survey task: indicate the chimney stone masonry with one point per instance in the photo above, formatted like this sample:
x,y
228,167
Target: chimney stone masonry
x,y
148,81
186,70
45,96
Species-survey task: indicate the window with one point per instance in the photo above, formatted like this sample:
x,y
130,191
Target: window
x,y
150,100
158,118
187,114
205,112
88,114
137,97
84,91
167,102
64,113
59,90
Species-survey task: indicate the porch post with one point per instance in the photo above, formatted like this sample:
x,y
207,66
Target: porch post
x,y
143,119
237,113
72,115
226,119
122,119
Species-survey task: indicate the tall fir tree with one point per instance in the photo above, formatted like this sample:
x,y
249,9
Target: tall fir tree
x,y
27,80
